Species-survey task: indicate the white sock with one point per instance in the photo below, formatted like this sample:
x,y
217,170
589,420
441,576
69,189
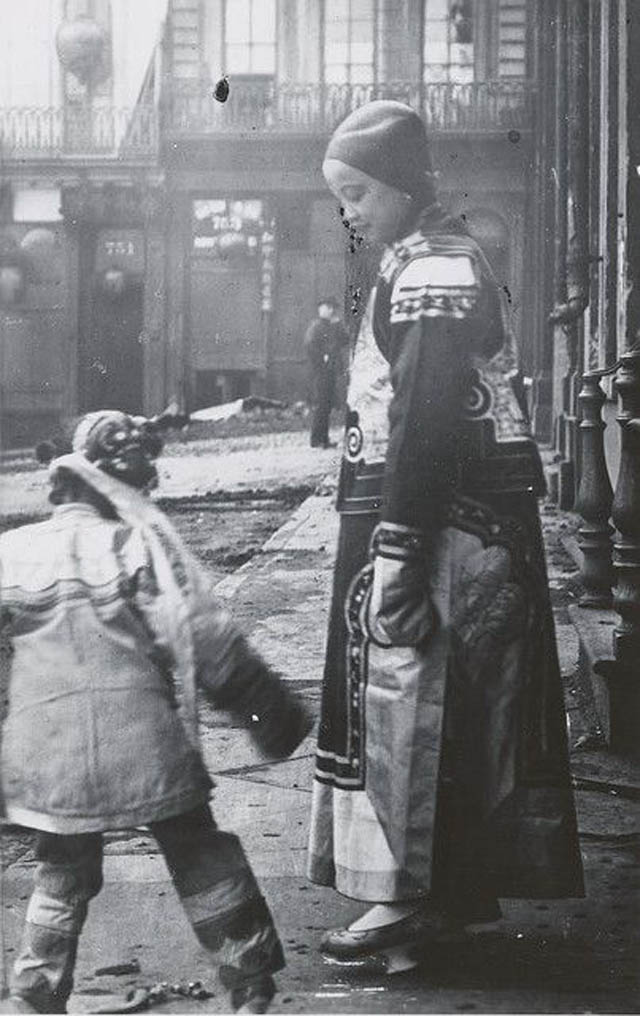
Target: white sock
x,y
382,914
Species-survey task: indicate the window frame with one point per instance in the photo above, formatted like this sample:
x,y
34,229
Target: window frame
x,y
478,45
350,83
257,75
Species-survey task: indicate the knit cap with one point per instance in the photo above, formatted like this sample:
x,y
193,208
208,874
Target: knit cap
x,y
388,141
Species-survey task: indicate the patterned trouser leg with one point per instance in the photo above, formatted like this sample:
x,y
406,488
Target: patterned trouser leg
x,y
221,897
68,876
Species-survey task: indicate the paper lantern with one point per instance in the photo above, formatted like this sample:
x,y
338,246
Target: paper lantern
x,y
8,247
113,283
40,247
12,283
81,46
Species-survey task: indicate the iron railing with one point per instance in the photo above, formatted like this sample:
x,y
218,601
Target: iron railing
x,y
262,105
277,107
50,132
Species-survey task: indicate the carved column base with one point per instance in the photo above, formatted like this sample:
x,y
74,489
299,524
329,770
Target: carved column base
x,y
596,572
623,707
626,636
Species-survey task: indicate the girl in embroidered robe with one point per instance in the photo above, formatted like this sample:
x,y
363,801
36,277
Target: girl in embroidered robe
x,y
442,779
112,625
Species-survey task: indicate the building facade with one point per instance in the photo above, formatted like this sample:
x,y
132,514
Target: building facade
x,y
173,247
256,238
79,186
158,244
587,357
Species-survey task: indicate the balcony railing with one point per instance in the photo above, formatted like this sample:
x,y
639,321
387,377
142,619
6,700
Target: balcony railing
x,y
51,132
254,105
284,107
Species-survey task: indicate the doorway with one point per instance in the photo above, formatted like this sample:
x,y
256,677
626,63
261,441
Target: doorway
x,y
112,321
114,362
226,318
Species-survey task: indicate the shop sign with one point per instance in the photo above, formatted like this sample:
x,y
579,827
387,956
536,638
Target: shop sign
x,y
120,249
268,267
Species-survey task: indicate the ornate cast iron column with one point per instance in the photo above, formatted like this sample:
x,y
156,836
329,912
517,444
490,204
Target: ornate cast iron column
x,y
544,183
626,517
626,503
572,241
624,675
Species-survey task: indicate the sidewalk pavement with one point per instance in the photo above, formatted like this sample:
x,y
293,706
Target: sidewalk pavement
x,y
547,957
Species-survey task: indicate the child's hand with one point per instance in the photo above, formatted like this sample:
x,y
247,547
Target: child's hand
x,y
283,725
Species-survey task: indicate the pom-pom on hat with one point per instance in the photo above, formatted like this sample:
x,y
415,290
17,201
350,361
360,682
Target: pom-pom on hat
x,y
122,445
388,141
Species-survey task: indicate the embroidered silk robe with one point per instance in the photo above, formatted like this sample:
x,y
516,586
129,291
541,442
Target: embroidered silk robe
x,y
442,761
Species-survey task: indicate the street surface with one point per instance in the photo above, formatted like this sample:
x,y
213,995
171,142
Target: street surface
x,y
232,464
576,956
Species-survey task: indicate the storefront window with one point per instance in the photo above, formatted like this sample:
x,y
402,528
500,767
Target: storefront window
x,y
448,53
250,37
223,227
349,34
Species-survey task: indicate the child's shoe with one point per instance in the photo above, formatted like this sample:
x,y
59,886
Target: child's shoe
x,y
254,997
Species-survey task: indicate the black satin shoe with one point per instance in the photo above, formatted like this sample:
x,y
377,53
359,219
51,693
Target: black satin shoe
x,y
388,941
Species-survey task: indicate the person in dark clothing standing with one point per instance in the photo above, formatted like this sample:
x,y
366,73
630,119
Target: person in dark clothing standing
x,y
442,779
325,342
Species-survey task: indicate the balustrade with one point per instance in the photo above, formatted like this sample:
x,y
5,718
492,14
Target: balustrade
x,y
612,556
51,132
595,497
597,503
622,673
282,106
263,104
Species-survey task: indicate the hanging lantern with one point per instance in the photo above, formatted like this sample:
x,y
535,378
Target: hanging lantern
x,y
12,284
40,247
15,270
113,283
81,46
8,247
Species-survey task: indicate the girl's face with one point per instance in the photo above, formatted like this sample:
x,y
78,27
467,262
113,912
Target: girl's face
x,y
372,208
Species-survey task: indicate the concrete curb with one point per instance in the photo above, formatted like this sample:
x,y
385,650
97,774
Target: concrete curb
x,y
312,527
